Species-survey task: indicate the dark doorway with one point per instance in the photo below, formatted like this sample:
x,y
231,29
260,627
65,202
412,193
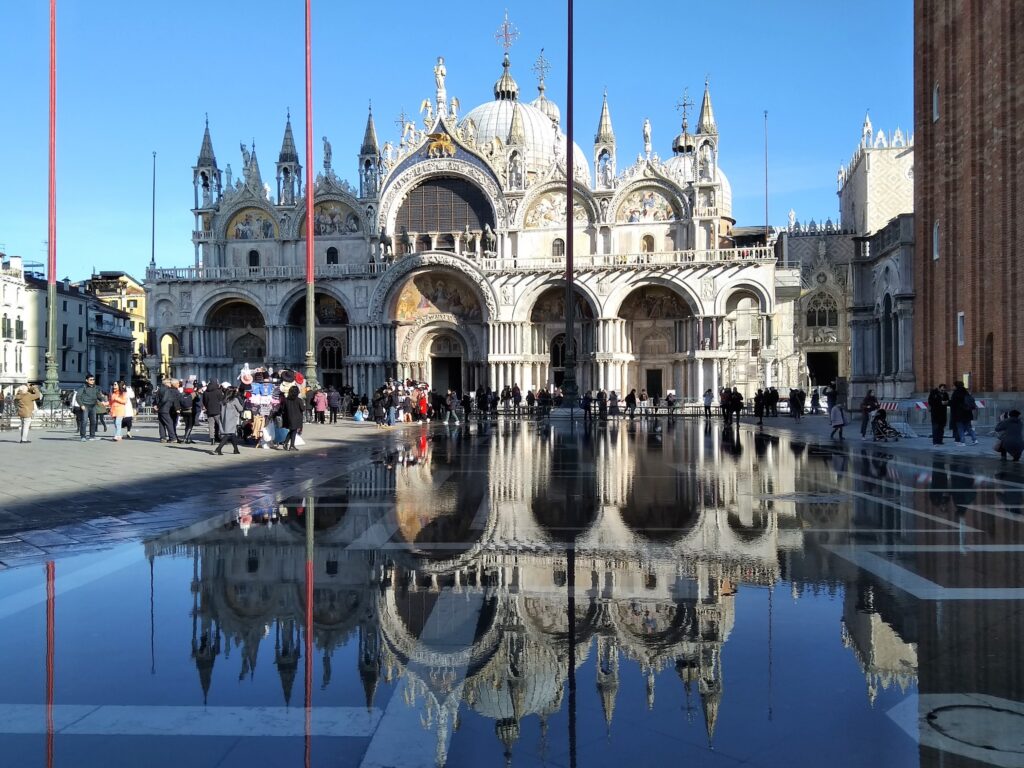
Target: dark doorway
x,y
823,367
445,374
654,383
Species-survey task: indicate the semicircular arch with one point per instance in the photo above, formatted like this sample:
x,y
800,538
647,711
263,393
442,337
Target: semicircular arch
x,y
296,229
395,276
525,304
217,300
581,195
287,303
680,205
224,222
398,188
741,285
613,304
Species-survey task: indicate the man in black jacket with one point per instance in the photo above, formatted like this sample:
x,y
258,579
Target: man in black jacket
x,y
213,403
938,404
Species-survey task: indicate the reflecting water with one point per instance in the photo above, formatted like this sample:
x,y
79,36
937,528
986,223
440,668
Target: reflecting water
x,y
527,596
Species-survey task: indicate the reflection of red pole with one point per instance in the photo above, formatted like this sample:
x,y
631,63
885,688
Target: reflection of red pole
x,y
50,600
310,514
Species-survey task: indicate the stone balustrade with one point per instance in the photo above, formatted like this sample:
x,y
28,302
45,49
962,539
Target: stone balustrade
x,y
599,261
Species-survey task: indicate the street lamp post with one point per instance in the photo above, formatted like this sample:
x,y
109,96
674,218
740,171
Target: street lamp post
x,y
51,386
310,189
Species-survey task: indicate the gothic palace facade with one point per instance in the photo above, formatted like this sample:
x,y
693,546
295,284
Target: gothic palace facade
x,y
447,262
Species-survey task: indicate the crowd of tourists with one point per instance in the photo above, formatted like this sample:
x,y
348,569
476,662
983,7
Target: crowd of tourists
x,y
268,409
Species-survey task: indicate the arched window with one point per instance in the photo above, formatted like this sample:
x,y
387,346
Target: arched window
x,y
254,259
445,205
647,244
332,255
822,311
558,249
331,353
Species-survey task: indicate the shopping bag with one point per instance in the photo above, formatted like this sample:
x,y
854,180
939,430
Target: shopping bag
x,y
299,441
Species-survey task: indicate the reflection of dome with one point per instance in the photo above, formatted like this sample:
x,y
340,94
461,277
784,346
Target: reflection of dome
x,y
493,120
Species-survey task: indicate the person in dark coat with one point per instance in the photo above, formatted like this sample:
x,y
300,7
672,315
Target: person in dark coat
x,y
867,406
759,406
1010,432
291,417
938,405
231,413
961,414
168,406
213,402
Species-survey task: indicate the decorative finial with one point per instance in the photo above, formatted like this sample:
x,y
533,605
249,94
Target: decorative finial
x,y
207,114
370,102
401,120
707,80
541,68
507,33
684,104
288,113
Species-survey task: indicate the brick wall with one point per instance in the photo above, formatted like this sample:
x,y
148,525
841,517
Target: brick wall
x,y
968,168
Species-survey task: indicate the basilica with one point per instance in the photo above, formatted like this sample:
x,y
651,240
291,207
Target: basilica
x,y
445,261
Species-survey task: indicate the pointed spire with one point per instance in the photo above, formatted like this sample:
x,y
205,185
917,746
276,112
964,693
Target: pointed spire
x,y
710,702
289,154
605,134
369,675
206,156
506,89
706,122
370,145
608,689
516,131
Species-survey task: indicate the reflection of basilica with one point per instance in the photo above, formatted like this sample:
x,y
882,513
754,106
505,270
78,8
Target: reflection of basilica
x,y
468,599
445,261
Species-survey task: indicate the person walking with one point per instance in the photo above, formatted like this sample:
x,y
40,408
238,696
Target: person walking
x,y
187,403
631,403
88,397
452,403
759,407
709,399
25,398
1010,432
213,403
736,404
938,406
118,403
867,406
613,405
230,416
291,417
837,416
816,403
130,408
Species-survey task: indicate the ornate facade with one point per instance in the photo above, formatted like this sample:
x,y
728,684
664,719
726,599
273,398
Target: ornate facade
x,y
445,261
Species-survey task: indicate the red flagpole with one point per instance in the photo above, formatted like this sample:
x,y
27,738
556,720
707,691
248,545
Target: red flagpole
x,y
51,388
310,188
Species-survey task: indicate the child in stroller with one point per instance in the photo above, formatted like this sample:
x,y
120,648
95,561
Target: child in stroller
x,y
881,429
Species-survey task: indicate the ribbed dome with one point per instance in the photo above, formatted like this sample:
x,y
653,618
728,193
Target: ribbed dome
x,y
725,208
680,168
494,120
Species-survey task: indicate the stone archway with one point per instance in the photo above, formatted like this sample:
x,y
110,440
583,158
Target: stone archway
x,y
655,320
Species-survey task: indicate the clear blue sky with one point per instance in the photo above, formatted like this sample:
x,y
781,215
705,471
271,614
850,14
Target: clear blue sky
x,y
138,77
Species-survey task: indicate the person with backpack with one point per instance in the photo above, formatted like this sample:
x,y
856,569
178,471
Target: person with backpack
x,y
87,398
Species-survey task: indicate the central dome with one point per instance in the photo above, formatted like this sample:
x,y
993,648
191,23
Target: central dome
x,y
540,134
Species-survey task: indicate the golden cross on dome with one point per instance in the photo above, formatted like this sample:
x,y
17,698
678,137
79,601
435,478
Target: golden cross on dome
x,y
541,67
685,103
507,33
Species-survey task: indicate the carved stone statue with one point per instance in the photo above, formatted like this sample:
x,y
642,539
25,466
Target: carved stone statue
x,y
439,74
246,157
388,153
327,153
647,137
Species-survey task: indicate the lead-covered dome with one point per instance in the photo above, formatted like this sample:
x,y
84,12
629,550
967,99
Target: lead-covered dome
x,y
538,132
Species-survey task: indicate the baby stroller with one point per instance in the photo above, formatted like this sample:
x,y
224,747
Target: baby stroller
x,y
881,429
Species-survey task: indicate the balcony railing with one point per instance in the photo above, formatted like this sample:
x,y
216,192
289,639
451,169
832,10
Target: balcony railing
x,y
601,261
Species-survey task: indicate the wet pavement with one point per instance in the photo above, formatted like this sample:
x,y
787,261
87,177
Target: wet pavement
x,y
649,593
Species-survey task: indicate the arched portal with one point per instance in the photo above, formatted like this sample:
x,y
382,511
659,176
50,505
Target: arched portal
x,y
169,350
331,333
244,332
439,331
656,321
438,212
547,329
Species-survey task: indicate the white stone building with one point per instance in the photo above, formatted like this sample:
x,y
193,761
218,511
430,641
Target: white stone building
x,y
446,261
17,366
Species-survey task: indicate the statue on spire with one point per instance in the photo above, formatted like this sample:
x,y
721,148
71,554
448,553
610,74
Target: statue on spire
x,y
440,72
647,137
